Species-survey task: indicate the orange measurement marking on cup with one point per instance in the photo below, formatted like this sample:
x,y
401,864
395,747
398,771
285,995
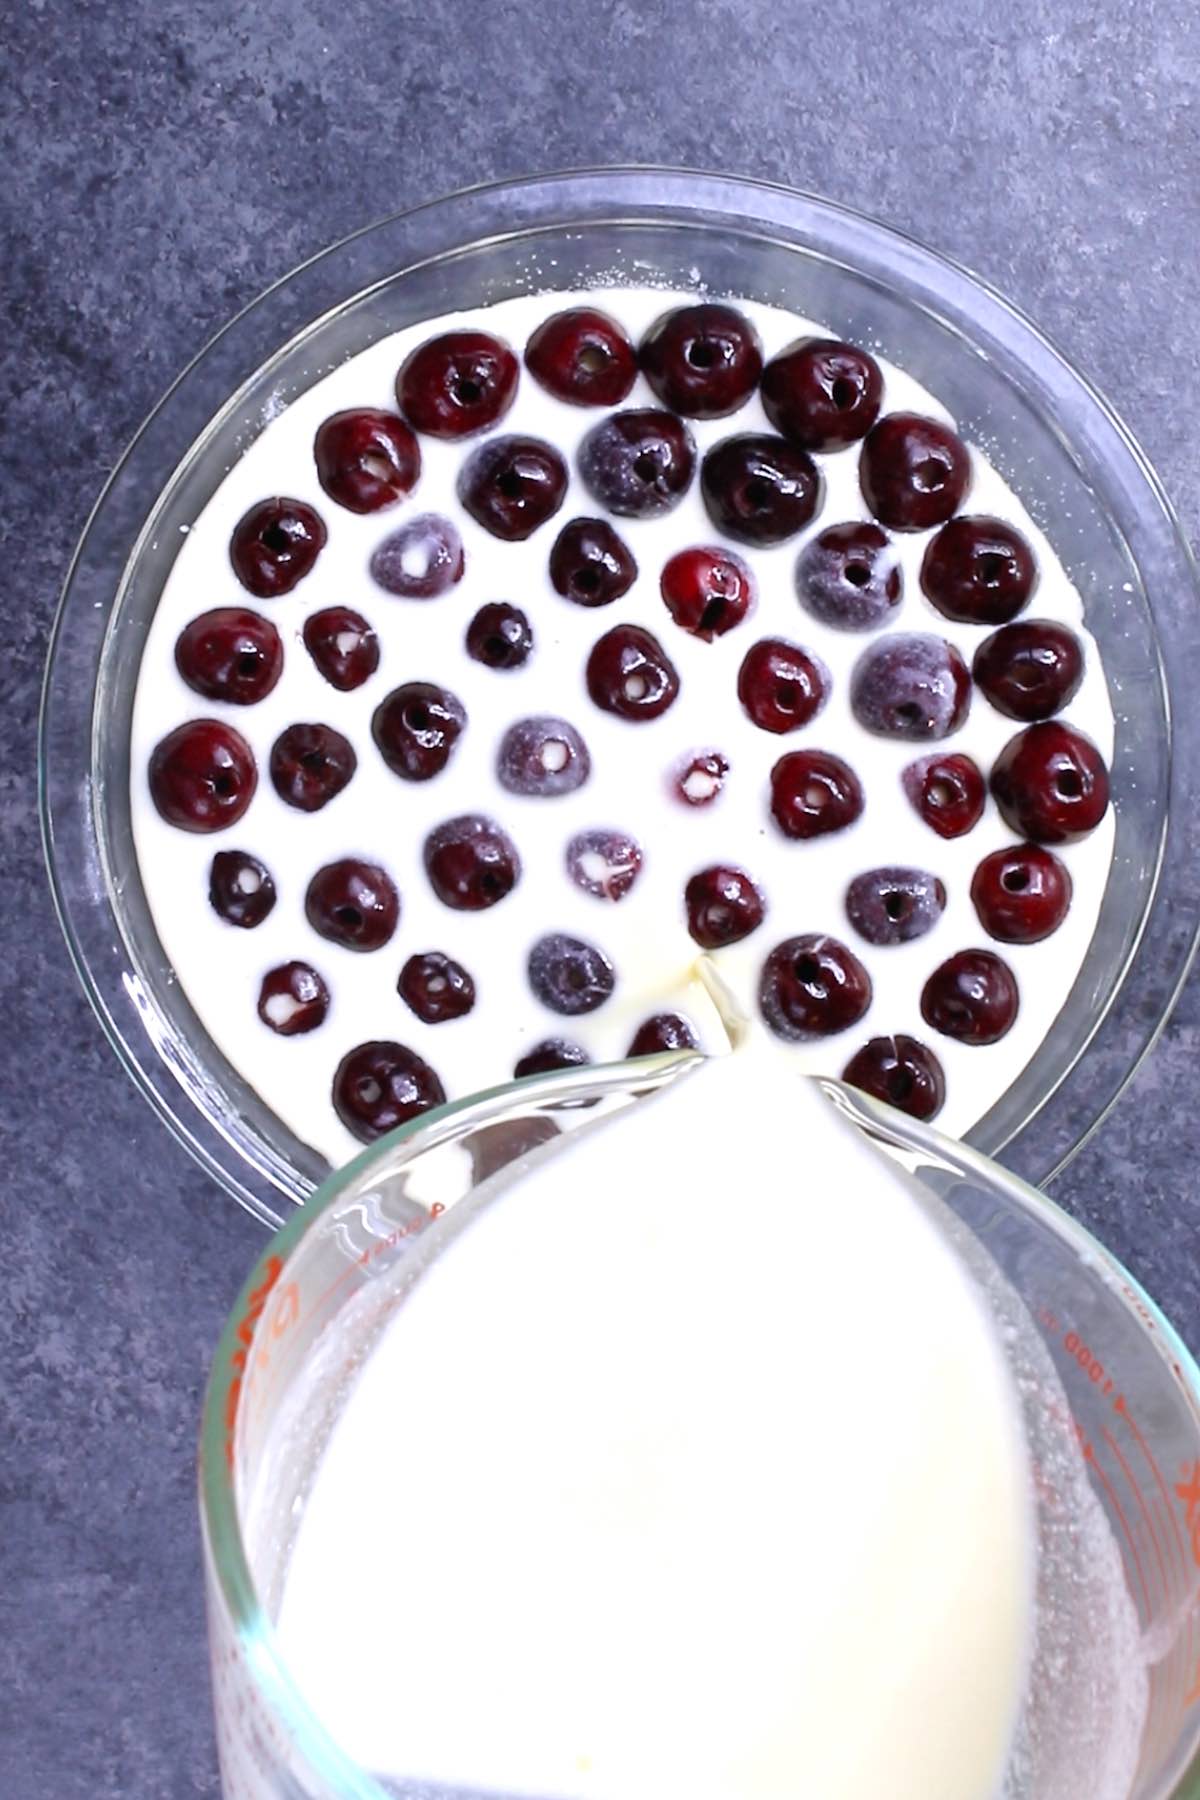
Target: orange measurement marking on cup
x,y
1126,1413
1094,1462
1187,1490
1094,1368
286,1309
1147,1517
256,1301
1099,1376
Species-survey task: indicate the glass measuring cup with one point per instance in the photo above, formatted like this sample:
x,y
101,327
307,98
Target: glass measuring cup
x,y
1113,1385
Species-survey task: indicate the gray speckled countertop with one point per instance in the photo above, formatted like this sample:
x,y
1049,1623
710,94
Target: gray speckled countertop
x,y
163,162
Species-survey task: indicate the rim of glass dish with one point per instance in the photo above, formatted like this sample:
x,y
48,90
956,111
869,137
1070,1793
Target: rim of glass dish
x,y
1169,931
255,1633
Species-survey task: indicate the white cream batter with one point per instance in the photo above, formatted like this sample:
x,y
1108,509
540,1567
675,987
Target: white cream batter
x,y
655,1484
386,820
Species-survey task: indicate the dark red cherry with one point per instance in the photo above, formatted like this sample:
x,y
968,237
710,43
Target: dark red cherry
x,y
707,591
421,560
353,903
380,1085
275,545
416,728
630,674
310,765
456,384
542,757
1029,670
343,646
202,776
638,463
849,577
230,654
549,1055
979,571
910,685
901,1072
812,986
914,472
781,687
590,564
949,792
471,863
583,357
664,1031
604,863
511,485
813,792
500,636
1050,783
822,394
972,997
894,906
240,889
436,987
293,999
1021,893
699,778
568,975
723,906
703,361
759,489
366,459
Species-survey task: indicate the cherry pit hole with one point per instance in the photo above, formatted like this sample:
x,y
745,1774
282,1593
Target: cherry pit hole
x,y
593,358
929,476
378,466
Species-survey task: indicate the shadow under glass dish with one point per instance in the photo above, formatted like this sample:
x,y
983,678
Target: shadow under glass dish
x,y
1071,462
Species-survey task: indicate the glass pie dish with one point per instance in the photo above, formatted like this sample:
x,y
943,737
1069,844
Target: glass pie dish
x,y
1070,460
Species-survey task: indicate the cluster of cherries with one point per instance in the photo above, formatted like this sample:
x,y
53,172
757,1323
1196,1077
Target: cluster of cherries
x,y
759,488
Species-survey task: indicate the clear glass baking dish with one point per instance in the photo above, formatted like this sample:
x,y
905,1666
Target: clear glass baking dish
x,y
1071,460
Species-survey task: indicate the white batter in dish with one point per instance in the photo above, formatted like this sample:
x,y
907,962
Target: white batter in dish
x,y
386,820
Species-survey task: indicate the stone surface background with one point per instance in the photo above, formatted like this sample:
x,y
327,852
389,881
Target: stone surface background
x,y
162,163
